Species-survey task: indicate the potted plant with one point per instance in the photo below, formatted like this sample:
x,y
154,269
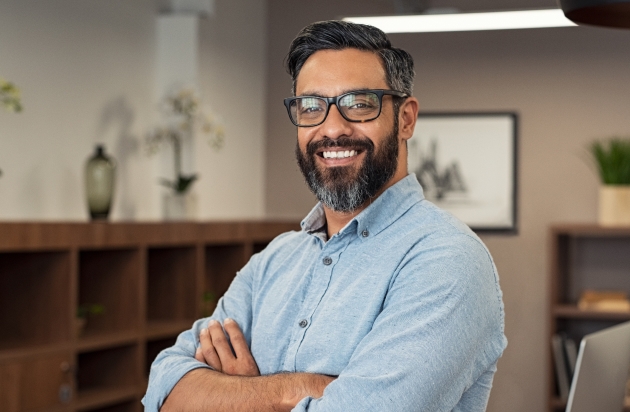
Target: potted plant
x,y
84,311
183,118
612,158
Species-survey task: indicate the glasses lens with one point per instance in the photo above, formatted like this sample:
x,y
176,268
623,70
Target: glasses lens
x,y
360,106
308,111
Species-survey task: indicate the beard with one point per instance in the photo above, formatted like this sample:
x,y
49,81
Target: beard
x,y
346,188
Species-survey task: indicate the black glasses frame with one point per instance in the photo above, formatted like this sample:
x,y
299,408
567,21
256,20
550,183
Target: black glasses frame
x,y
333,100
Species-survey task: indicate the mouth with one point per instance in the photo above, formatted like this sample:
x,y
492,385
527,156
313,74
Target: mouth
x,y
339,153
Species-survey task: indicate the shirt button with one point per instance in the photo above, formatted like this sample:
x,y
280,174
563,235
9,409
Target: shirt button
x,y
303,323
327,260
365,233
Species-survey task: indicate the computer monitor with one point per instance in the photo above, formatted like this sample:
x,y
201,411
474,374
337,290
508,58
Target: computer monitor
x,y
601,371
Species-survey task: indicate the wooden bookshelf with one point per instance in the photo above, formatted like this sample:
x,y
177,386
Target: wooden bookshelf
x,y
583,256
150,278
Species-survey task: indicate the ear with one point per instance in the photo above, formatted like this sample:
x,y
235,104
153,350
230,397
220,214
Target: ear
x,y
407,116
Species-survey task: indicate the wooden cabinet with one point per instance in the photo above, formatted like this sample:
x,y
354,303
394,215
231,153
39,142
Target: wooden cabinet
x,y
150,278
584,257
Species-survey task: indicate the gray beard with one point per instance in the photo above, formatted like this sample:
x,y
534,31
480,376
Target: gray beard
x,y
341,188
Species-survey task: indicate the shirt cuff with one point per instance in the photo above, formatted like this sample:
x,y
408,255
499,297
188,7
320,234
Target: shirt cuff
x,y
163,382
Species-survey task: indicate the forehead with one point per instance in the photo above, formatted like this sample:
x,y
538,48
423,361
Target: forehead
x,y
332,72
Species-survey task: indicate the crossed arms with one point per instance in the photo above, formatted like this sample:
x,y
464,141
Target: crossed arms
x,y
430,345
235,383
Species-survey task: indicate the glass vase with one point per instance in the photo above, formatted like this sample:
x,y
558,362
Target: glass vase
x,y
99,183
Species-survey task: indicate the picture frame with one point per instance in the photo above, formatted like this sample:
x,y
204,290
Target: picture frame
x,y
467,165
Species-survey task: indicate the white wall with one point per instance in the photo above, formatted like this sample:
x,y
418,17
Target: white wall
x,y
86,70
233,59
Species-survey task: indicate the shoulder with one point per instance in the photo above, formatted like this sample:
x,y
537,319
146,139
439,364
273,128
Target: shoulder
x,y
429,232
442,252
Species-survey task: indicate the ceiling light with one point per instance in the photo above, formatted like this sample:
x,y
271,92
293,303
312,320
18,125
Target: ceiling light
x,y
502,20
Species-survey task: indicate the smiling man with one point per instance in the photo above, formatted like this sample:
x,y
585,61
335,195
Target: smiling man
x,y
382,302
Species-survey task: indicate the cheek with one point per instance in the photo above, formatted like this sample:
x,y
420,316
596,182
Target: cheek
x,y
304,136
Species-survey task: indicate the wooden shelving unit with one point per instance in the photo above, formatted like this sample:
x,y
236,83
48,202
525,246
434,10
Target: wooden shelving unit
x,y
584,257
150,278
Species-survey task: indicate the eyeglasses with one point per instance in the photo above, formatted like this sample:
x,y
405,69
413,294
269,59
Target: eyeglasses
x,y
356,106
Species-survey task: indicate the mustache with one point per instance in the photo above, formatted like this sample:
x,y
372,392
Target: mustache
x,y
343,141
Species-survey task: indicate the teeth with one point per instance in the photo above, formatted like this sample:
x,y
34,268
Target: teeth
x,y
339,155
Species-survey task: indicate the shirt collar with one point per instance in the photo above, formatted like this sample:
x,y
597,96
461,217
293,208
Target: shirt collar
x,y
385,209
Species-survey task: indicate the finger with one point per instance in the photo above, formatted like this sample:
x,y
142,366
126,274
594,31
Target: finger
x,y
199,355
239,344
208,351
220,342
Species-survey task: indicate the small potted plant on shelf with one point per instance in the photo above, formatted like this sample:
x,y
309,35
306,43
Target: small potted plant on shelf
x,y
209,303
612,158
183,118
84,311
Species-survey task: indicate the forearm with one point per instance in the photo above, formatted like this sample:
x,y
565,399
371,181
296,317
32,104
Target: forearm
x,y
204,389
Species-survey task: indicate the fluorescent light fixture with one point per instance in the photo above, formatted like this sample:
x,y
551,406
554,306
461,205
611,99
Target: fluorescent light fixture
x,y
500,20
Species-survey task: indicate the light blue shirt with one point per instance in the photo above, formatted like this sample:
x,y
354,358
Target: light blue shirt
x,y
403,305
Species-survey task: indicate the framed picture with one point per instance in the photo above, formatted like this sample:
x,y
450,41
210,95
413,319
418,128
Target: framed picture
x,y
466,164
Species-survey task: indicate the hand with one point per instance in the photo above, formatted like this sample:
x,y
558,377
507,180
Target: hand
x,y
216,351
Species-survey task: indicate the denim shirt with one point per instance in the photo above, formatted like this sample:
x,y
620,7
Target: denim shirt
x,y
403,305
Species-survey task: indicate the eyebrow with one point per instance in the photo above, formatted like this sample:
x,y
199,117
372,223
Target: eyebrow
x,y
344,91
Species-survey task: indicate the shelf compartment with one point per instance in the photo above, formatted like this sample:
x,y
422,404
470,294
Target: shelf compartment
x,y
34,383
107,371
596,263
559,405
153,348
573,312
171,283
34,298
114,400
110,278
577,328
222,263
106,340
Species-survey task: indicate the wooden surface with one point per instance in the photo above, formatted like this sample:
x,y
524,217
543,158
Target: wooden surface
x,y
150,277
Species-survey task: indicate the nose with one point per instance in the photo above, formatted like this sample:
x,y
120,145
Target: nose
x,y
335,124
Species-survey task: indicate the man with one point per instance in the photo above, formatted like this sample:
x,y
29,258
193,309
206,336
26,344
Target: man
x,y
382,302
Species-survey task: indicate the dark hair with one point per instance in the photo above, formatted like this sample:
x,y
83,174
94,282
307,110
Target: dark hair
x,y
339,35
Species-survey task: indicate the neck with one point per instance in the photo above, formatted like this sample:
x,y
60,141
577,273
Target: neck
x,y
335,221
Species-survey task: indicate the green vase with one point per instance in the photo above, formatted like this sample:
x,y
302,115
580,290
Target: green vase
x,y
99,183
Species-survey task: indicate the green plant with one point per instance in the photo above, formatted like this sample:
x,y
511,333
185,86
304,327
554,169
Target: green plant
x,y
209,300
183,117
10,96
90,309
612,157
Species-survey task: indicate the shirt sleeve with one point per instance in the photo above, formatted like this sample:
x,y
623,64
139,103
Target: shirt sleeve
x,y
439,336
174,362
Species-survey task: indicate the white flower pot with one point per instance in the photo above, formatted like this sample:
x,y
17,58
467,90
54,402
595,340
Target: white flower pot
x,y
614,205
180,206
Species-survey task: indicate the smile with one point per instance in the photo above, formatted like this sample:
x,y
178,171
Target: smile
x,y
339,154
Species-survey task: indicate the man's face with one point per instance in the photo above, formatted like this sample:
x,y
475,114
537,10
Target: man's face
x,y
346,163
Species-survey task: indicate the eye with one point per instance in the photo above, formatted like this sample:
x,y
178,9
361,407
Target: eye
x,y
360,101
310,105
